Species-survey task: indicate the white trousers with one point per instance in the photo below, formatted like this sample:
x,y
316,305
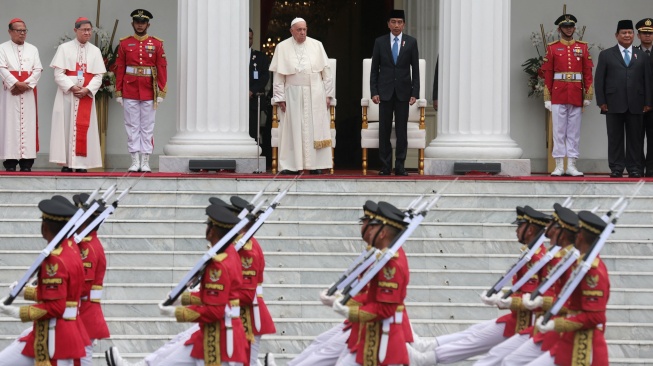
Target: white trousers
x,y
253,349
181,357
479,341
544,360
157,357
325,349
526,353
139,123
12,356
448,338
496,355
88,360
350,360
566,130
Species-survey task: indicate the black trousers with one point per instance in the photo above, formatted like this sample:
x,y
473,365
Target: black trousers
x,y
648,131
630,126
388,109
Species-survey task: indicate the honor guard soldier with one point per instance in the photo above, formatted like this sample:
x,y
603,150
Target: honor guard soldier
x,y
220,338
645,34
95,267
141,84
381,336
57,337
527,345
567,73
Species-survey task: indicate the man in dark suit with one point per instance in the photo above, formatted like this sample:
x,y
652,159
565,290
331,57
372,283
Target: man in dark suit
x,y
645,35
258,79
394,86
623,92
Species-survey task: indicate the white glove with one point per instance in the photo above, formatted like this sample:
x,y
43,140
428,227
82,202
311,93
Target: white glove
x,y
326,299
13,285
95,342
504,303
586,102
166,310
159,100
340,308
119,100
532,304
547,104
9,310
490,301
549,326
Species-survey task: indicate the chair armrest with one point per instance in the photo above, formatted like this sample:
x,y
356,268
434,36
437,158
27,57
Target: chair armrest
x,y
421,103
334,102
365,102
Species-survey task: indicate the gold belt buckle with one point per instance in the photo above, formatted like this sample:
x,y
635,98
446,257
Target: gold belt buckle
x,y
568,76
139,71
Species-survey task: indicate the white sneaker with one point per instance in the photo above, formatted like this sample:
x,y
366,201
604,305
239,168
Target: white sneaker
x,y
112,355
269,360
136,163
560,167
145,163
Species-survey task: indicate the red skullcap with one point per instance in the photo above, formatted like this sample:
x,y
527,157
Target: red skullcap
x,y
16,20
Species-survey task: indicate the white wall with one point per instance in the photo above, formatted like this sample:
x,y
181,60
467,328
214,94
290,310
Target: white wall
x,y
527,114
48,20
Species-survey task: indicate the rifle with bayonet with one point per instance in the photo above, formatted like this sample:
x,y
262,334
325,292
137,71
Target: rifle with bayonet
x,y
586,263
71,226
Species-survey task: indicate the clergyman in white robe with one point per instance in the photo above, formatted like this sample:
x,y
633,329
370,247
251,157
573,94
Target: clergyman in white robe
x,y
18,113
75,64
302,79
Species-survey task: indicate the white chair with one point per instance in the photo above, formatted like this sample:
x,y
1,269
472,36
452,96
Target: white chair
x,y
370,115
274,143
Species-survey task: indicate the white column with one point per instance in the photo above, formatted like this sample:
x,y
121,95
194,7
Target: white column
x,y
212,64
474,91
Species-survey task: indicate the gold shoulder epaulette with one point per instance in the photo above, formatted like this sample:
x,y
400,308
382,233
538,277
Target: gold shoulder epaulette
x,y
124,38
220,257
583,42
595,263
554,42
157,38
57,251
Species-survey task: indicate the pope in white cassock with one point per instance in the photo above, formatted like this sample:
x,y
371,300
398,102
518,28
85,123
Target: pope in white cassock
x,y
78,69
20,70
303,88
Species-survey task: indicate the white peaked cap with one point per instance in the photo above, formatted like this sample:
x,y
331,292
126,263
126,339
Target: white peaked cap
x,y
297,20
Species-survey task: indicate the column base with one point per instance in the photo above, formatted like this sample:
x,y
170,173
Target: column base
x,y
179,164
509,167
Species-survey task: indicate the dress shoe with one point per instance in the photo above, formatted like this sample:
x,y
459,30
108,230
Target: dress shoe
x,y
616,174
289,172
401,172
384,172
25,169
634,175
11,169
316,171
66,169
81,171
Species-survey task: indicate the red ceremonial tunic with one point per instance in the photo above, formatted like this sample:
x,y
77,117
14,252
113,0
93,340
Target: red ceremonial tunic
x,y
519,317
60,282
385,299
567,73
583,341
95,266
253,264
147,63
549,339
220,287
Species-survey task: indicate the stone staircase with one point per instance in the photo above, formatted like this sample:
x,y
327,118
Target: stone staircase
x,y
463,246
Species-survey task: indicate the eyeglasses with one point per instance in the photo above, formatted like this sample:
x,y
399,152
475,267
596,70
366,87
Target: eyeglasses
x,y
85,30
21,31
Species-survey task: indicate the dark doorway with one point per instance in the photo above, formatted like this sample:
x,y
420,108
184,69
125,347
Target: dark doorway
x,y
347,29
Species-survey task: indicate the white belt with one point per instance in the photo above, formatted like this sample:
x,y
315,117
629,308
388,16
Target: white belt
x,y
568,76
385,333
70,314
140,70
229,313
256,310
